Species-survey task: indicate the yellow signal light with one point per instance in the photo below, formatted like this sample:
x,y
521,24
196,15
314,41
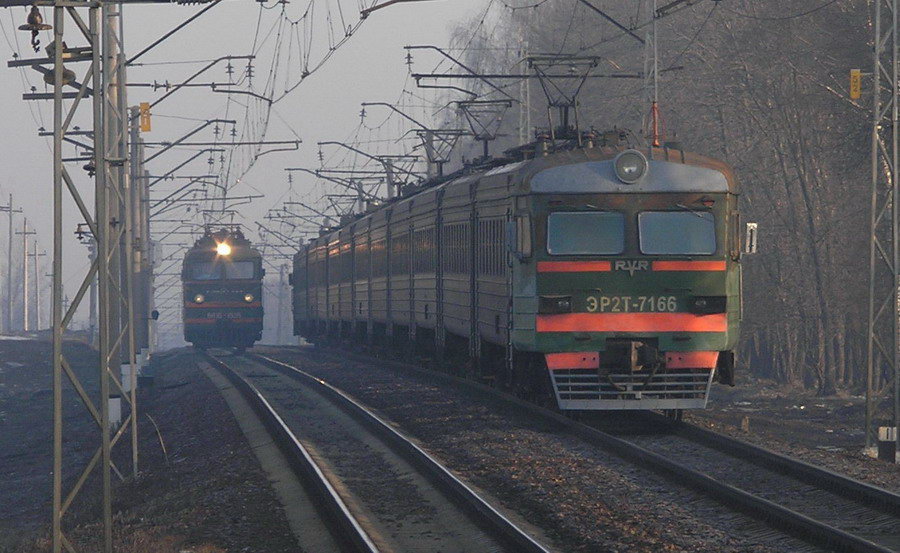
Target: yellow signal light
x,y
855,84
145,116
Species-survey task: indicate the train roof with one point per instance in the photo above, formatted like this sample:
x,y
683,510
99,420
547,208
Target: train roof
x,y
582,171
591,171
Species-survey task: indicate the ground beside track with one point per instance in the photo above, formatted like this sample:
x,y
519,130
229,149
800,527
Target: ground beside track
x,y
211,496
825,431
580,496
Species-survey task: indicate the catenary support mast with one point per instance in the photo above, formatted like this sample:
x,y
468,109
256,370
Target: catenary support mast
x,y
883,350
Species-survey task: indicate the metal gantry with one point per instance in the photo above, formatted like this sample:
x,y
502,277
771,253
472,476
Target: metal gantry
x,y
883,351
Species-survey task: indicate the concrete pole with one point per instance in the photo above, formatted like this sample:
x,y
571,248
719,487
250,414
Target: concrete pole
x,y
37,289
92,299
9,272
25,325
281,270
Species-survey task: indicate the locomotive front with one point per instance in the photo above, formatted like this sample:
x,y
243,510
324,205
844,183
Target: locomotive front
x,y
628,280
222,282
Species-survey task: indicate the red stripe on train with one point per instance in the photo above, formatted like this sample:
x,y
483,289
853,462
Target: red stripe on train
x,y
206,305
214,321
688,265
632,322
573,266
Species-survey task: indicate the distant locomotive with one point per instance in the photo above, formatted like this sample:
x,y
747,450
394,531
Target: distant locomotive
x,y
603,276
222,280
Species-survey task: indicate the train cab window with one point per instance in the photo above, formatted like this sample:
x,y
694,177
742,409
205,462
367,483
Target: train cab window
x,y
205,271
585,233
677,232
238,270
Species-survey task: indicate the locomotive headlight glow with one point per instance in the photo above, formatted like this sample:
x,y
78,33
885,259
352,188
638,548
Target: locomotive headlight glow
x,y
199,298
222,248
630,166
248,298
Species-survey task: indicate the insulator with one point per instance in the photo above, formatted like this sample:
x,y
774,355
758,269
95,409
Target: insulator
x,y
35,24
35,21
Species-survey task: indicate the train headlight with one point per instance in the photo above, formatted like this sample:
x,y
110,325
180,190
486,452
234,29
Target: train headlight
x,y
630,166
199,298
248,298
554,304
222,248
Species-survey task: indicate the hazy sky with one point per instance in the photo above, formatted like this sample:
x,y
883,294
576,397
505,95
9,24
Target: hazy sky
x,y
370,67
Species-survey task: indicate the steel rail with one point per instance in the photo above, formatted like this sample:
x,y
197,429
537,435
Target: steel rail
x,y
850,488
335,511
775,515
504,529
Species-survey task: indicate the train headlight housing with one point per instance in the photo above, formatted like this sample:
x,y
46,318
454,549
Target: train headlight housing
x,y
222,248
630,166
199,298
248,298
707,305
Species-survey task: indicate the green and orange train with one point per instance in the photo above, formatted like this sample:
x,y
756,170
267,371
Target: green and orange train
x,y
605,276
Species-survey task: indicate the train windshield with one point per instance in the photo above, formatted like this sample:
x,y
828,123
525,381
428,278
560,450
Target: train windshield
x,y
585,233
228,270
677,232
205,271
239,269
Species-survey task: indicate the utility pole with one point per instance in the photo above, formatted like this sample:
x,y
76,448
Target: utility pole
x,y
8,306
883,351
651,71
525,135
282,269
93,41
37,287
92,308
25,307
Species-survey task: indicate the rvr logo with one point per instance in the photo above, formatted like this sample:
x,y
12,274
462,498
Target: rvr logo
x,y
631,266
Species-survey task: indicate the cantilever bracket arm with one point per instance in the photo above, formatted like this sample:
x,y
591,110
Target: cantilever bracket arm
x,y
471,71
171,145
365,13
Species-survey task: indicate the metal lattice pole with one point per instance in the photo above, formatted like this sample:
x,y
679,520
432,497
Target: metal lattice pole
x,y
107,227
883,348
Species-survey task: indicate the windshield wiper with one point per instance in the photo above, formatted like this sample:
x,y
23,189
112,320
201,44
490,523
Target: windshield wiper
x,y
697,213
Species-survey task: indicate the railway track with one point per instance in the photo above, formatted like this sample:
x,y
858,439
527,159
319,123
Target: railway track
x,y
815,503
378,490
821,507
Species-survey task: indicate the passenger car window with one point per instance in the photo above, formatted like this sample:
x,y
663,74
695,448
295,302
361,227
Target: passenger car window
x,y
677,232
585,233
